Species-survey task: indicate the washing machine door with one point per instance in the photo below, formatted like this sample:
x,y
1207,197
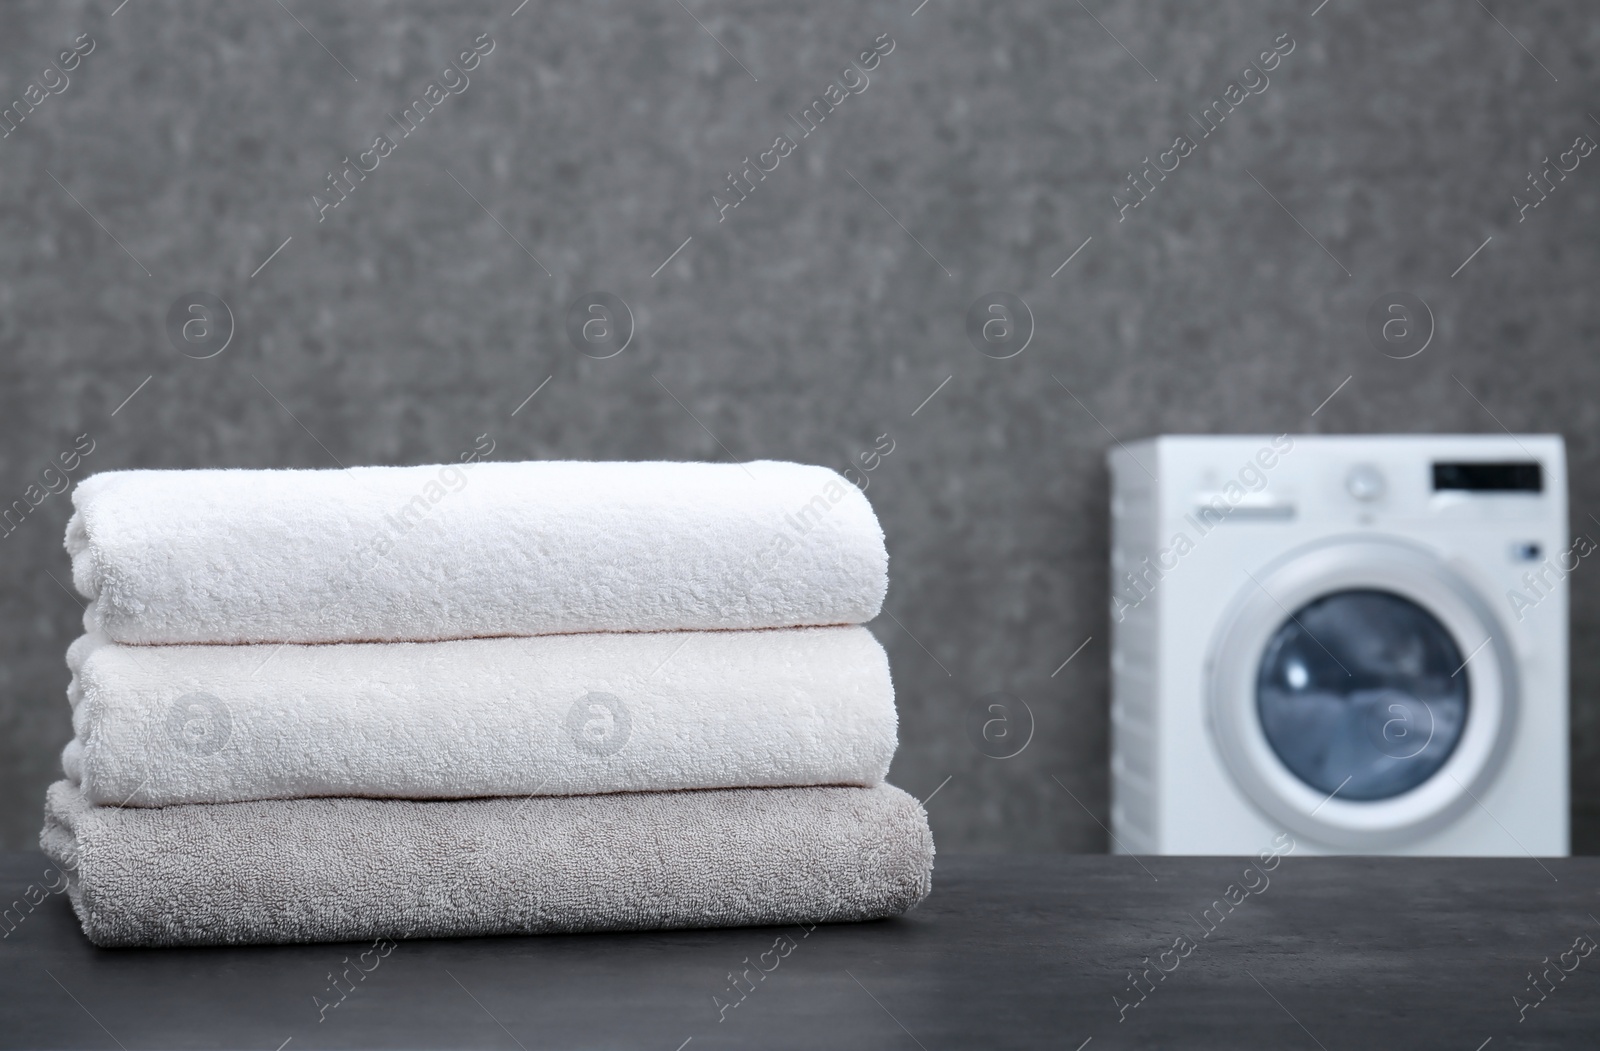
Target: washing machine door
x,y
1361,693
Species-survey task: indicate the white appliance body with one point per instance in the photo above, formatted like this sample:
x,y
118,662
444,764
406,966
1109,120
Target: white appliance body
x,y
1286,612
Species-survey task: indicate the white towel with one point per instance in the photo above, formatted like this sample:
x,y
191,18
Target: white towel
x,y
454,551
552,715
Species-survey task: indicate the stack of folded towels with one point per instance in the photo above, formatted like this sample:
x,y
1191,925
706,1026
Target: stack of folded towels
x,y
487,698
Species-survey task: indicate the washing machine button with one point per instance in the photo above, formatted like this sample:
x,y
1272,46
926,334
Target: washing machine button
x,y
1365,483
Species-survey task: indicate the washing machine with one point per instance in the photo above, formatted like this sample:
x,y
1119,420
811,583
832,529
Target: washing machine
x,y
1359,642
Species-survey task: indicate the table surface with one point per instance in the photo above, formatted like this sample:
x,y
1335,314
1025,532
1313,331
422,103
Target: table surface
x,y
1007,952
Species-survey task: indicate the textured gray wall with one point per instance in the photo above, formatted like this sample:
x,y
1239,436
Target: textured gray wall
x,y
810,321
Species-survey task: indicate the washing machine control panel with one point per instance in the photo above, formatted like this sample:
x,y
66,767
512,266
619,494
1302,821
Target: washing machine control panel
x,y
1384,490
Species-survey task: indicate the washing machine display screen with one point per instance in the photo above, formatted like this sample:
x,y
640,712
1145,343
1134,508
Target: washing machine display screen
x,y
1364,690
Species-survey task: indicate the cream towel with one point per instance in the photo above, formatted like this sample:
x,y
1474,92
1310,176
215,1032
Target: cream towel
x,y
419,553
552,715
304,870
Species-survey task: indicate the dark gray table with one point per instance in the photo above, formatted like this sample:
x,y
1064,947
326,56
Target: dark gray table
x,y
1008,952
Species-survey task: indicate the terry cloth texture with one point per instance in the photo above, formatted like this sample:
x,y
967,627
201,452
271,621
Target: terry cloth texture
x,y
423,553
552,715
345,869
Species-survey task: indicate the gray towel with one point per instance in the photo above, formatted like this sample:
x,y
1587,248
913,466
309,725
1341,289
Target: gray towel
x,y
306,870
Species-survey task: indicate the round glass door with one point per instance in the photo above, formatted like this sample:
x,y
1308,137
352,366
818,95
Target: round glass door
x,y
1361,694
